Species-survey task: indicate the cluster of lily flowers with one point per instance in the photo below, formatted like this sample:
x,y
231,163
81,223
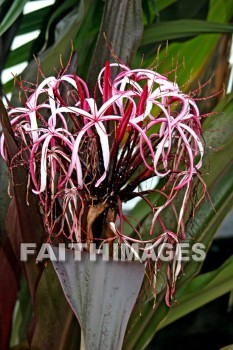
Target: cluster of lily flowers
x,y
86,158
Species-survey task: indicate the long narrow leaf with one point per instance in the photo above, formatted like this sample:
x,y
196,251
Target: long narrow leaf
x,y
163,4
4,197
23,221
62,8
182,29
13,13
51,58
33,20
201,290
196,52
126,16
9,283
19,55
22,315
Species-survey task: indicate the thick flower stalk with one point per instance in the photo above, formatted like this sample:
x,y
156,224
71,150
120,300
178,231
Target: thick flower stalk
x,y
85,160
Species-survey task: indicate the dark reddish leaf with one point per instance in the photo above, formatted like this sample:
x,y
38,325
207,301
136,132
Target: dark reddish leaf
x,y
9,283
23,223
4,198
126,17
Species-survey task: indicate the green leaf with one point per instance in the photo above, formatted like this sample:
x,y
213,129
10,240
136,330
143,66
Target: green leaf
x,y
85,40
63,7
22,314
181,29
163,4
194,53
149,11
141,330
182,9
8,86
20,54
13,13
201,290
50,59
33,20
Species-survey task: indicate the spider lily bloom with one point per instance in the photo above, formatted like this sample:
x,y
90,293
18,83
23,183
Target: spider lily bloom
x,y
86,160
183,124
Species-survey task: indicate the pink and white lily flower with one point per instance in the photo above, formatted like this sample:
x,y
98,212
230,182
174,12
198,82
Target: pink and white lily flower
x,y
86,157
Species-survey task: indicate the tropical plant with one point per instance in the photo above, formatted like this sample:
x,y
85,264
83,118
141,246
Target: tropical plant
x,y
77,144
